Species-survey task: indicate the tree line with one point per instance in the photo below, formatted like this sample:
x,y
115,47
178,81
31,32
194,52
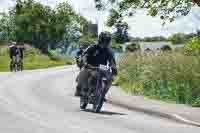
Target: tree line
x,y
40,25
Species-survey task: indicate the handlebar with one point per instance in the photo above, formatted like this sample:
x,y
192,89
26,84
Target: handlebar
x,y
101,67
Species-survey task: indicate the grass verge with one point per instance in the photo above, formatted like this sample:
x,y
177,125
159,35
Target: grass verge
x,y
169,76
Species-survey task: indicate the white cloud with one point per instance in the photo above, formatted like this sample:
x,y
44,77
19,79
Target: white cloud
x,y
143,25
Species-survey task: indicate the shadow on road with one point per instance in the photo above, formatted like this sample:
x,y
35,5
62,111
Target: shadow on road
x,y
105,112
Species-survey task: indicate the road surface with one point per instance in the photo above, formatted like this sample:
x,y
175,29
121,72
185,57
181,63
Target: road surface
x,y
42,101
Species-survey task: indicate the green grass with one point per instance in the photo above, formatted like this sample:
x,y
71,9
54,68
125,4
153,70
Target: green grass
x,y
33,59
169,76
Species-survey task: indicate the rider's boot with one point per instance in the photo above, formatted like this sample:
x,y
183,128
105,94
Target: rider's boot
x,y
78,91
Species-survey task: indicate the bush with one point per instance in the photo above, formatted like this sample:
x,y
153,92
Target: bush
x,y
166,48
133,47
88,39
178,38
193,43
196,102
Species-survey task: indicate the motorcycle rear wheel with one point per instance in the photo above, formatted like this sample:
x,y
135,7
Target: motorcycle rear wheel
x,y
83,104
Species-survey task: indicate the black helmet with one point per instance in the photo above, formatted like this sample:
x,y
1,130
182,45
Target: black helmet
x,y
104,39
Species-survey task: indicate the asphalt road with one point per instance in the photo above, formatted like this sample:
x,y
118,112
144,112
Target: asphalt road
x,y
42,101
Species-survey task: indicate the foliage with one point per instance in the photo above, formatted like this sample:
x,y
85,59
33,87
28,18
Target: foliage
x,y
92,39
193,43
166,9
133,47
170,76
115,44
166,48
29,21
178,38
150,39
7,27
154,39
121,34
196,102
113,18
88,39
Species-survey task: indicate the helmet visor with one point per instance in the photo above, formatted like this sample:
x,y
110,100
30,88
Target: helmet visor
x,y
105,42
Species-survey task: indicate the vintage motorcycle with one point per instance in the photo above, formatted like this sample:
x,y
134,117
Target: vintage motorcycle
x,y
97,89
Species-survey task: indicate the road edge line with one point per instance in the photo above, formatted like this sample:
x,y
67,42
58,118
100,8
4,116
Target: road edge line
x,y
173,117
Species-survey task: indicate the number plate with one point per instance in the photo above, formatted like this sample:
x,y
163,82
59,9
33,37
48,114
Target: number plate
x,y
103,67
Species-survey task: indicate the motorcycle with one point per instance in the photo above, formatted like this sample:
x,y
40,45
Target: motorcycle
x,y
97,88
16,64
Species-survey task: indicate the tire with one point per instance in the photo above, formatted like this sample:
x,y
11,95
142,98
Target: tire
x,y
20,66
100,99
99,104
15,67
83,104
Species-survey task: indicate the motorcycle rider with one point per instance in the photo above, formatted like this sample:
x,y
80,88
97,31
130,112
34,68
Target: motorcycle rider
x,y
16,49
95,55
13,52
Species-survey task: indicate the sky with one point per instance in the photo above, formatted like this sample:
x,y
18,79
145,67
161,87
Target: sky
x,y
140,25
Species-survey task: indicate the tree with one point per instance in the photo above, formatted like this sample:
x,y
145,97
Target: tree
x,y
193,43
166,9
178,38
134,46
121,34
7,27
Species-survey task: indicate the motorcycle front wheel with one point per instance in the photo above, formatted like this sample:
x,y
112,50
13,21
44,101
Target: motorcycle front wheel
x,y
99,103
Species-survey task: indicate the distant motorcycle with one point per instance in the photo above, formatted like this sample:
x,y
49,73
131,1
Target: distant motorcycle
x,y
16,64
97,88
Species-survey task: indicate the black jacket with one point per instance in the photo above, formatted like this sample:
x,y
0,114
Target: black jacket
x,y
95,55
14,51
